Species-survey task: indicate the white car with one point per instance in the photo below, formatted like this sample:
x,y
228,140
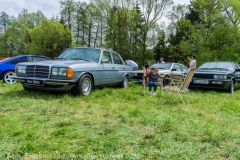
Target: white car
x,y
166,70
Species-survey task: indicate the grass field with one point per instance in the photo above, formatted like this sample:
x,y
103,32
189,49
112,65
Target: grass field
x,y
115,123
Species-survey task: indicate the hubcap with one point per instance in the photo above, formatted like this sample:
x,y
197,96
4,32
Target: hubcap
x,y
8,78
86,86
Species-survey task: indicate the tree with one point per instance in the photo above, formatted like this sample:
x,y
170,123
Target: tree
x,y
18,33
67,11
152,11
49,39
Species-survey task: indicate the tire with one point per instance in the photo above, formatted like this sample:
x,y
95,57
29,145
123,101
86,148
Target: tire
x,y
166,81
231,87
7,77
124,83
83,86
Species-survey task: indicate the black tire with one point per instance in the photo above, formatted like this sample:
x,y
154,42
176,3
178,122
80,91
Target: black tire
x,y
124,83
26,89
7,77
83,86
231,87
166,82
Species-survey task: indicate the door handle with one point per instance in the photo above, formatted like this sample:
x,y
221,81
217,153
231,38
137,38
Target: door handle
x,y
113,67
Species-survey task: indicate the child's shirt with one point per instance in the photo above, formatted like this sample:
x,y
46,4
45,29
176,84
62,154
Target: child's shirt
x,y
153,77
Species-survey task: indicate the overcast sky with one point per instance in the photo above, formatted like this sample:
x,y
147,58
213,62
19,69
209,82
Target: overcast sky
x,y
49,8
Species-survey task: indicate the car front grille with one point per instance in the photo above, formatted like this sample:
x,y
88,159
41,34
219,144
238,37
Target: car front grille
x,y
203,76
37,71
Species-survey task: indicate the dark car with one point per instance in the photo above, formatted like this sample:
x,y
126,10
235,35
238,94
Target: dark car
x,y
217,75
166,70
78,70
7,65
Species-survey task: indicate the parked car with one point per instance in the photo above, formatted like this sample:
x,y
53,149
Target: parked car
x,y
7,65
166,70
4,59
77,70
217,75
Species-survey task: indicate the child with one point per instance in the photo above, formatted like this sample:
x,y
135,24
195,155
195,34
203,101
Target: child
x,y
153,77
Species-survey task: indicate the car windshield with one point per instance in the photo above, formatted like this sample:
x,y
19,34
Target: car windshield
x,y
87,54
165,66
216,66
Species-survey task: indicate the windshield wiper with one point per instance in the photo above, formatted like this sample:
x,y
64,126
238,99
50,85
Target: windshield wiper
x,y
203,68
61,58
224,69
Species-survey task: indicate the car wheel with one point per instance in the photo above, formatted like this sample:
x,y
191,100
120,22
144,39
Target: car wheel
x,y
83,86
8,77
166,81
26,89
124,83
231,87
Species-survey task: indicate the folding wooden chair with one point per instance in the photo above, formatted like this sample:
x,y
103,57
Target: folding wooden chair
x,y
179,85
145,81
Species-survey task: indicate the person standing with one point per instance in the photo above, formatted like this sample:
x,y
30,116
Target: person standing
x,y
160,60
193,62
148,64
132,64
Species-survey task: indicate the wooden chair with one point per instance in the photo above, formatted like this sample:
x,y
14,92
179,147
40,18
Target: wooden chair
x,y
179,85
145,80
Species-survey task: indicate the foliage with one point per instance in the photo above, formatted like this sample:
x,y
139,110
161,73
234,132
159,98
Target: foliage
x,y
49,39
118,124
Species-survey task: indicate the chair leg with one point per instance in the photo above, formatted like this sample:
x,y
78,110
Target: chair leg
x,y
181,98
164,95
190,96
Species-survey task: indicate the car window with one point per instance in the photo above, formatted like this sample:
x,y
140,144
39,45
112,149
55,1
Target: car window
x,y
235,66
23,59
177,67
166,66
34,59
116,59
217,65
184,68
107,55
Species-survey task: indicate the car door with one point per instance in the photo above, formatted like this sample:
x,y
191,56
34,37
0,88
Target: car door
x,y
120,67
109,70
236,72
176,71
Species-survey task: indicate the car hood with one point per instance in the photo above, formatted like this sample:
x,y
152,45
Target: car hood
x,y
212,72
63,63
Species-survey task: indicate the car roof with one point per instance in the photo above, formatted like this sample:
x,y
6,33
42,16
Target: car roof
x,y
20,56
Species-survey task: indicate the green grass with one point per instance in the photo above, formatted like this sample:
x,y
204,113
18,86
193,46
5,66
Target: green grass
x,y
115,123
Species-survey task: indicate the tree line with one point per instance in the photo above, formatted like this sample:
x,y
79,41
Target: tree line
x,y
207,29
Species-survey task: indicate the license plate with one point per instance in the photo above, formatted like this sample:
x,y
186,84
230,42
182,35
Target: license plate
x,y
34,82
201,81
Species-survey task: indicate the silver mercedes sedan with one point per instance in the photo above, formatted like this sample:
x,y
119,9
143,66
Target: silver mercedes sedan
x,y
77,70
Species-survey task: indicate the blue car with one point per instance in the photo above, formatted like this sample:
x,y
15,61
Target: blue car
x,y
7,65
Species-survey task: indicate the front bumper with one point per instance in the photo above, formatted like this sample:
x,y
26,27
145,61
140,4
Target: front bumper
x,y
46,84
210,83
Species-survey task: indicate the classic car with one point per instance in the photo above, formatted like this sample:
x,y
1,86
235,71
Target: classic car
x,y
77,70
7,65
166,70
217,75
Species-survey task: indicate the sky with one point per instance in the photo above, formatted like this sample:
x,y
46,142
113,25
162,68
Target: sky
x,y
49,8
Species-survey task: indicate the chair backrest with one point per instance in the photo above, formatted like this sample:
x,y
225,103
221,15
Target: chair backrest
x,y
188,79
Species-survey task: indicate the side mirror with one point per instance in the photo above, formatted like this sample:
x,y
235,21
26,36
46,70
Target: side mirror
x,y
105,60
